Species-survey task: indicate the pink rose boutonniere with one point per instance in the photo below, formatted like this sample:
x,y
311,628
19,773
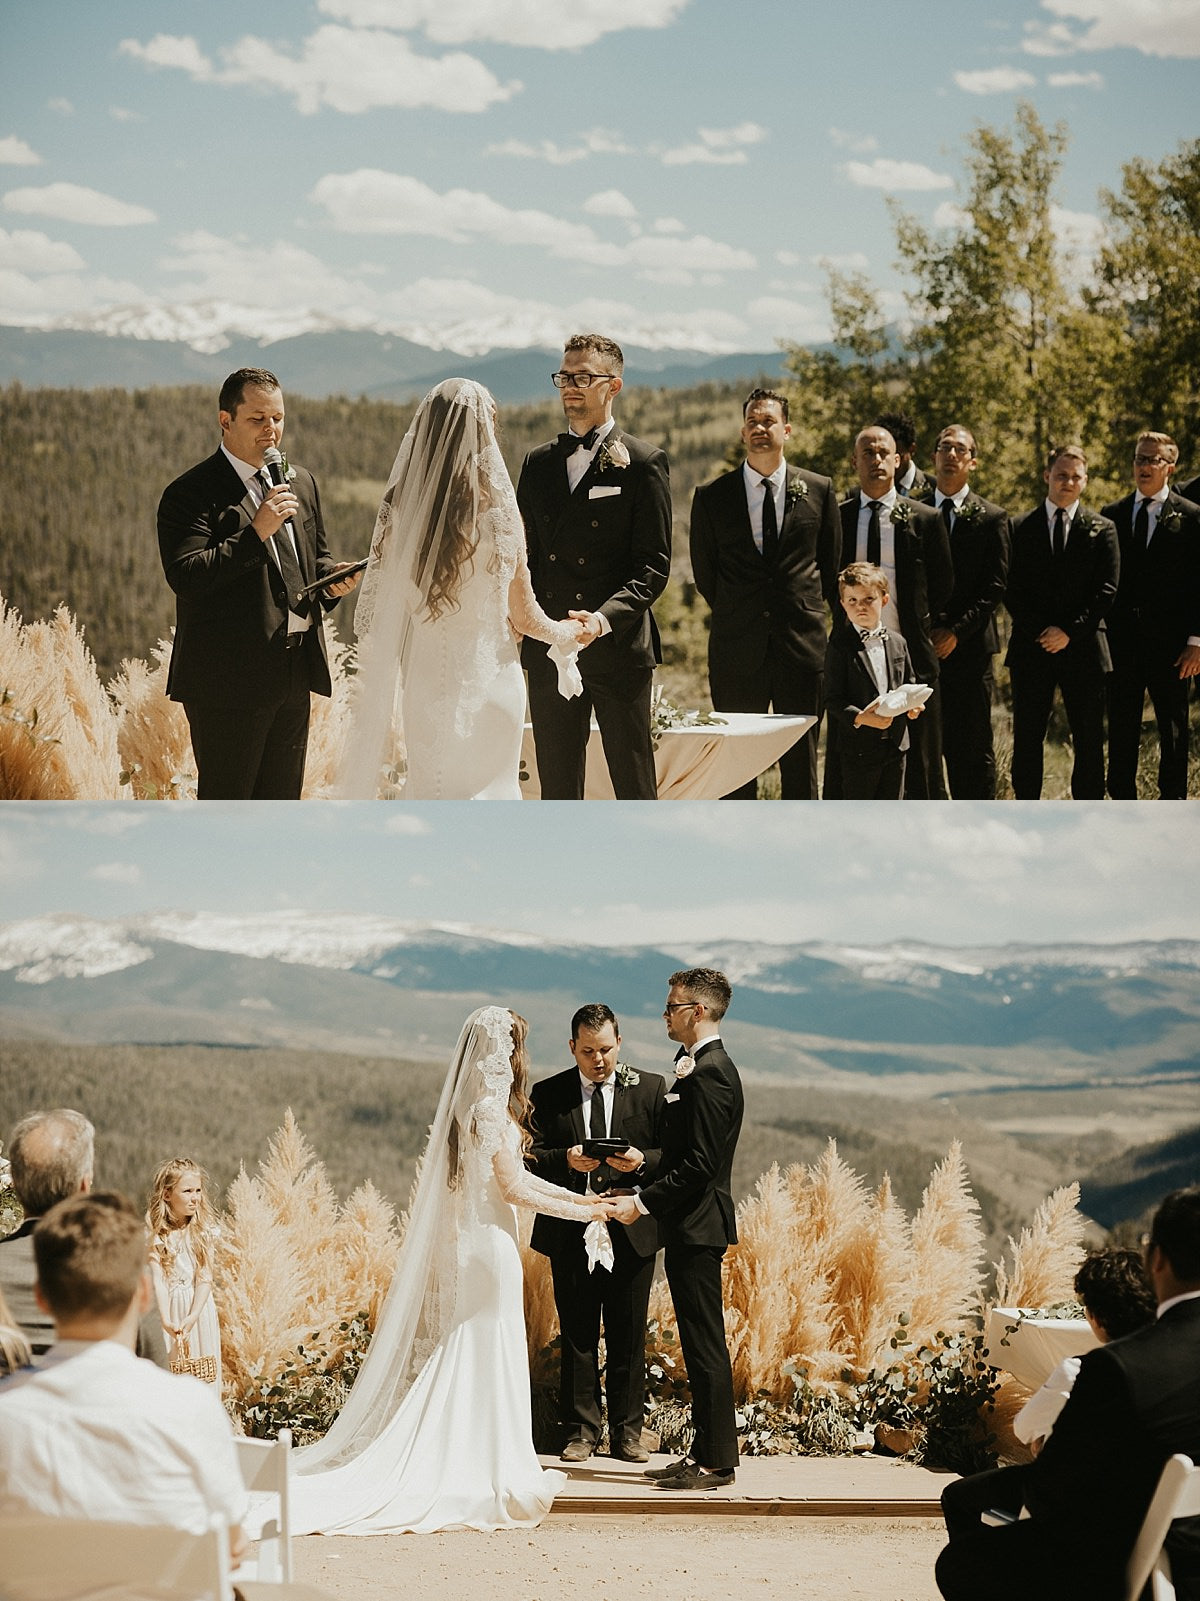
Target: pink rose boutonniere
x,y
684,1065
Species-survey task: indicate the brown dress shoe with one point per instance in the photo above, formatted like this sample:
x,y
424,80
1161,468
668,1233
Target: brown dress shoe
x,y
630,1451
576,1451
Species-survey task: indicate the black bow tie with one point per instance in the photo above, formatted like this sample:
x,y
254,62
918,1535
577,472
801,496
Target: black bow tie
x,y
570,443
873,633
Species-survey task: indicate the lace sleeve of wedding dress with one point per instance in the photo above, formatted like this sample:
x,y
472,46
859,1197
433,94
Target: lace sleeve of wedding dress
x,y
520,1187
529,618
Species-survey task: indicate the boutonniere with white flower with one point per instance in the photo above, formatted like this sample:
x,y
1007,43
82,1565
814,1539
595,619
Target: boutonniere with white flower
x,y
796,491
684,1065
1170,519
901,512
1085,524
612,454
627,1076
289,472
968,511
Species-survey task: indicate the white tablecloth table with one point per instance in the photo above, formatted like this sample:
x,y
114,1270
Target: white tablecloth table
x,y
1036,1346
701,763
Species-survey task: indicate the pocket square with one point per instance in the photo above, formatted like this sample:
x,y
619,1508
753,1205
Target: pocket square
x,y
669,1098
598,491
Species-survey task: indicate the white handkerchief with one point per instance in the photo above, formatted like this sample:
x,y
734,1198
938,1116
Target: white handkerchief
x,y
903,699
598,1244
670,1098
598,491
570,680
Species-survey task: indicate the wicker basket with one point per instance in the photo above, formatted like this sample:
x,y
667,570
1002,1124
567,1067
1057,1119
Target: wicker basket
x,y
200,1367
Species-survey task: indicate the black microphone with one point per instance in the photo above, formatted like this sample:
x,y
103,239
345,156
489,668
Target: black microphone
x,y
273,465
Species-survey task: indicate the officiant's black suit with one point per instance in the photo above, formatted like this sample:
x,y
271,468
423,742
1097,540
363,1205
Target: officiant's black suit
x,y
692,1202
766,643
606,547
1156,610
1135,1403
584,1300
1073,592
245,691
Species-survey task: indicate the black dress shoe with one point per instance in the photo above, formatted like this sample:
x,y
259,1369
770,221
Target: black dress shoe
x,y
630,1451
693,1477
669,1471
576,1451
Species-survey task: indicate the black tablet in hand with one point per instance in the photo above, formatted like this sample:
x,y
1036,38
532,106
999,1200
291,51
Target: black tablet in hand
x,y
603,1149
348,571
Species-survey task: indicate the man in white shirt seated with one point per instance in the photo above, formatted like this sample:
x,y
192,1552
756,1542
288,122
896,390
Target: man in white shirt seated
x,y
93,1432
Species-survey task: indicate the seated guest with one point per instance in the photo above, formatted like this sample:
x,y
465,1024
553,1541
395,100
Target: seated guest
x,y
1154,627
1061,582
14,1347
1135,1403
863,662
92,1432
52,1156
1117,1298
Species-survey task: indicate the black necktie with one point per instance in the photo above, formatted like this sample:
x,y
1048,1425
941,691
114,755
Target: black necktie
x,y
873,541
1060,534
596,1128
293,578
770,522
948,514
570,443
1141,529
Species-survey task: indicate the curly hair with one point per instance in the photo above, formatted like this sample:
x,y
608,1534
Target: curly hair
x,y
450,494
1115,1288
160,1223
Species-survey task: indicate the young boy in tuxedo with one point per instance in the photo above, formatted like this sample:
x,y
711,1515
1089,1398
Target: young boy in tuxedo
x,y
861,664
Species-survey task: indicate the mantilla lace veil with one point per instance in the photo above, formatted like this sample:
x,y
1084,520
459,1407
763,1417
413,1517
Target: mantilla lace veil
x,y
448,473
468,1127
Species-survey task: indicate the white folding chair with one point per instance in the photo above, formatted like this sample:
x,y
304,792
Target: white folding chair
x,y
265,1467
47,1559
1177,1496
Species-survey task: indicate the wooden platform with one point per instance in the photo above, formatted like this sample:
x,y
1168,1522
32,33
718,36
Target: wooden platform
x,y
796,1486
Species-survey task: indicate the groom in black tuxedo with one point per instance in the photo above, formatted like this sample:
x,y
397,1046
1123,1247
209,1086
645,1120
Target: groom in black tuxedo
x,y
597,510
764,546
692,1202
598,1098
249,651
1135,1403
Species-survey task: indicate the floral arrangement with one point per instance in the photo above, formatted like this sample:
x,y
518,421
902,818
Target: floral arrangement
x,y
665,716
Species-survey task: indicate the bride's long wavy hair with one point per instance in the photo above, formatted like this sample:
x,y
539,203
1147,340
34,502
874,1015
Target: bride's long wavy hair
x,y
450,533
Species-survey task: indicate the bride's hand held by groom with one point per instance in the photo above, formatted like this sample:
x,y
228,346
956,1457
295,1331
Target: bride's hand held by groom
x,y
590,626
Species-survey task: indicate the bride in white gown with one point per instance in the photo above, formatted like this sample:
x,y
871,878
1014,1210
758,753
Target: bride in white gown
x,y
444,600
437,1432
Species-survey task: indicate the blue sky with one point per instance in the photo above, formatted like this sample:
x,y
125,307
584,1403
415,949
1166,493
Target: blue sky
x,y
483,172
618,875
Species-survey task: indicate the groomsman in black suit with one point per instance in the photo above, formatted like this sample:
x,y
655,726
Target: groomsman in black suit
x,y
599,1098
249,650
910,480
908,540
764,547
964,632
1154,628
692,1202
1135,1404
1061,583
1190,491
597,509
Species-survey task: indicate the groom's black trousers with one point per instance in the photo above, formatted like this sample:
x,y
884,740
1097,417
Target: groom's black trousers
x,y
694,1278
621,1299
561,729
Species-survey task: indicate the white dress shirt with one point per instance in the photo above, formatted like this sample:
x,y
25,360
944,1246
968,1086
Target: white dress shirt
x,y
1040,1413
1154,505
254,484
756,493
887,548
1052,512
956,500
578,463
605,1091
96,1432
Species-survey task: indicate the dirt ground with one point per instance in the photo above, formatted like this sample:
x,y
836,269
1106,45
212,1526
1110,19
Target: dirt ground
x,y
620,1558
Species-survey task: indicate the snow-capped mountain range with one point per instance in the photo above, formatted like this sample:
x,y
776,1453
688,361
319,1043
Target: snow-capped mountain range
x,y
819,1011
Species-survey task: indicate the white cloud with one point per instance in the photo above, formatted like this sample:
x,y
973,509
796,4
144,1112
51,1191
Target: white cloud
x,y
668,225
115,873
71,202
994,80
1169,28
609,203
950,215
15,152
884,173
124,114
409,824
862,144
789,319
371,201
346,69
61,105
24,250
722,147
596,142
37,302
844,261
1075,80
541,24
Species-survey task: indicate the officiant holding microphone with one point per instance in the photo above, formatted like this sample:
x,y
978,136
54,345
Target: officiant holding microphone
x,y
242,541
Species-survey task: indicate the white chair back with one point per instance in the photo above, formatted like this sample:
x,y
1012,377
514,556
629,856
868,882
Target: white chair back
x,y
266,1467
1177,1496
51,1559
